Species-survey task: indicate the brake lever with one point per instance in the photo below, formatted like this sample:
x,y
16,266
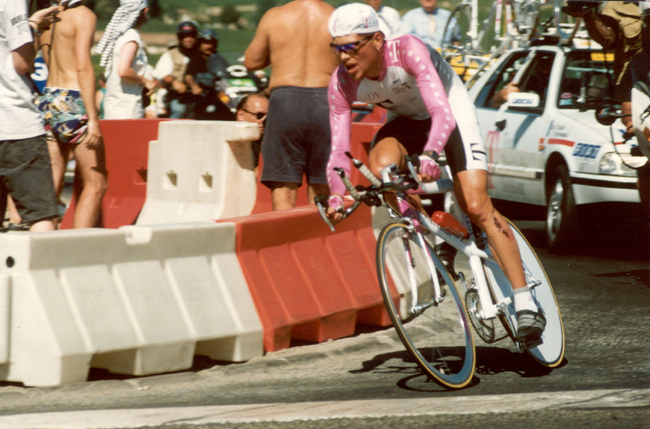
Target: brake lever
x,y
322,211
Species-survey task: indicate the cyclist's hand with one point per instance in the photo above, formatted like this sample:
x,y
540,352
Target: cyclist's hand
x,y
429,170
335,209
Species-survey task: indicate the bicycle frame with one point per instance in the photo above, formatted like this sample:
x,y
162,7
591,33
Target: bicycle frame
x,y
419,220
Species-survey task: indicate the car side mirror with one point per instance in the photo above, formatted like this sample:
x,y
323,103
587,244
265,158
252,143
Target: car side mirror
x,y
607,116
523,99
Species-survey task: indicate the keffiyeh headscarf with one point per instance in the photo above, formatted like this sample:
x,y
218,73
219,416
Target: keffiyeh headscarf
x,y
70,3
122,20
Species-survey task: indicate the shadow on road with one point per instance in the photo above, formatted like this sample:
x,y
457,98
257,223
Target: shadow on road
x,y
489,361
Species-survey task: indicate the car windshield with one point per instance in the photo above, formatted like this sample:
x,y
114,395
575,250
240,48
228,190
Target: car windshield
x,y
587,80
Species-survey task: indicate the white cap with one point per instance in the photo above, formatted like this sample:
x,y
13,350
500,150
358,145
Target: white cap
x,y
353,18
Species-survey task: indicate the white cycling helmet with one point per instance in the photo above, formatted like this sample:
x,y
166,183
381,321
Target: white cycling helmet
x,y
354,18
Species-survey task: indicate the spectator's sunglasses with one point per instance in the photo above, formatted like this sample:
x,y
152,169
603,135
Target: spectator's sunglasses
x,y
350,48
258,115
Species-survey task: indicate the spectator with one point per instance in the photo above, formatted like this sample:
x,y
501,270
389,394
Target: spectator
x,y
389,20
25,170
68,106
618,26
254,108
205,68
125,59
100,94
501,96
293,40
171,68
428,24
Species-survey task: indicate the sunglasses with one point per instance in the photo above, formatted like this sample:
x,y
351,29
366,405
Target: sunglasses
x,y
350,48
258,115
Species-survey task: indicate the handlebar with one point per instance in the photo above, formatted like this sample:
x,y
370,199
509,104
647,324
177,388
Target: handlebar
x,y
392,181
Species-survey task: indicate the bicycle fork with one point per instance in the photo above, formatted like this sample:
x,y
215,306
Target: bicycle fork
x,y
437,297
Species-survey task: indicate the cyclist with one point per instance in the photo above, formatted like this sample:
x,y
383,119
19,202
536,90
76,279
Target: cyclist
x,y
430,111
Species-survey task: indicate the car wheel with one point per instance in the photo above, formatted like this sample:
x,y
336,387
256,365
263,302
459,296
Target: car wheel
x,y
561,212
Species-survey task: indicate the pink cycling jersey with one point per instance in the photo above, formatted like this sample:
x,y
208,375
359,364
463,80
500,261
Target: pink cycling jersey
x,y
414,83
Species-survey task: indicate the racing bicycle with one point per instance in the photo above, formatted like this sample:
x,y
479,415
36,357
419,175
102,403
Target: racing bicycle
x,y
431,314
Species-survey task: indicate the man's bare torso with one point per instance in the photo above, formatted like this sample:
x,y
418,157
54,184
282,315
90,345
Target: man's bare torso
x,y
297,44
61,52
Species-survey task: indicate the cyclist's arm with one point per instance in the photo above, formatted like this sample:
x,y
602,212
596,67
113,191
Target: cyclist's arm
x,y
340,96
417,61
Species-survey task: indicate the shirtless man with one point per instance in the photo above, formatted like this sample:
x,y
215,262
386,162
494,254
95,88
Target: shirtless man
x,y
293,39
75,128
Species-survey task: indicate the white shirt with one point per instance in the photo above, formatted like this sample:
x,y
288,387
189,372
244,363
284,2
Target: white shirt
x,y
389,20
123,100
165,65
19,117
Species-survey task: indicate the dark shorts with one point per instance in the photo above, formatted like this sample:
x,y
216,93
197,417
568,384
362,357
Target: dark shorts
x,y
413,134
297,137
64,113
26,174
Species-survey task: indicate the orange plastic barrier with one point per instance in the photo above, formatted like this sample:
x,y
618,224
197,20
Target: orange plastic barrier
x,y
308,283
127,148
369,114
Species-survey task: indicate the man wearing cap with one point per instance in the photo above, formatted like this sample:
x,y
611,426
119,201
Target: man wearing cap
x,y
431,112
171,67
205,68
68,106
292,39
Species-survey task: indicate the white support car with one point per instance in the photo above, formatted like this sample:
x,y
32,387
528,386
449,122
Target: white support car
x,y
545,146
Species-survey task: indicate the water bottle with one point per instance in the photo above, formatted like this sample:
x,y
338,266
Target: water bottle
x,y
450,224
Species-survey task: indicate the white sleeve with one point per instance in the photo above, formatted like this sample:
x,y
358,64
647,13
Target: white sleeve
x,y
164,67
17,29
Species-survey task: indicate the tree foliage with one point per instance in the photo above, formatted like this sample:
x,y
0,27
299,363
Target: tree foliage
x,y
229,15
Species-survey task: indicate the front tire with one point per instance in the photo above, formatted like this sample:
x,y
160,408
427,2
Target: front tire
x,y
439,339
561,211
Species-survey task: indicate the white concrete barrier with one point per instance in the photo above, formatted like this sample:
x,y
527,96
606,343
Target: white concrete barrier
x,y
138,300
199,171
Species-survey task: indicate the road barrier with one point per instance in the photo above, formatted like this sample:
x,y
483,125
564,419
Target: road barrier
x,y
144,298
126,142
200,170
307,283
138,300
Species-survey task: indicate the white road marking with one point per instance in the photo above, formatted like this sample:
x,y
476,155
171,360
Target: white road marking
x,y
136,418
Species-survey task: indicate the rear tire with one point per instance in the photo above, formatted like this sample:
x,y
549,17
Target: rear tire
x,y
551,352
439,339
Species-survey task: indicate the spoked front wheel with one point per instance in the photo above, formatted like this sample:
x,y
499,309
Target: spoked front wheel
x,y
436,335
551,351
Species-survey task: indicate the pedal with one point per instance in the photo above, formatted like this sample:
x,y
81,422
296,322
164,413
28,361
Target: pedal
x,y
530,344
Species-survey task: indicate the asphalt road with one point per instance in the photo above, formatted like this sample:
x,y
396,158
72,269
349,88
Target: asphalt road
x,y
603,289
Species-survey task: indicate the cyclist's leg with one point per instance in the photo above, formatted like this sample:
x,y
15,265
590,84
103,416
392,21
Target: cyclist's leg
x,y
471,190
468,161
